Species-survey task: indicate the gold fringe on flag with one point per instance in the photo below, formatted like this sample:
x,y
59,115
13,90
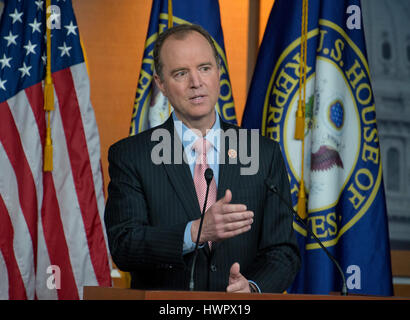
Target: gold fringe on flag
x,y
302,200
48,100
300,113
48,151
300,121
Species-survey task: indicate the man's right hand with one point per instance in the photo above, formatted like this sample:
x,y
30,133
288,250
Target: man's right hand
x,y
223,220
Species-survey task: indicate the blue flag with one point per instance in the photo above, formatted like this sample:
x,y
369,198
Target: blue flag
x,y
342,169
151,108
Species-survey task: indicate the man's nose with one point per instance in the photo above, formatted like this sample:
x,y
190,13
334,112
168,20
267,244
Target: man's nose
x,y
195,79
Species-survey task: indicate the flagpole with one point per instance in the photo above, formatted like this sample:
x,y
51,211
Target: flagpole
x,y
170,25
300,113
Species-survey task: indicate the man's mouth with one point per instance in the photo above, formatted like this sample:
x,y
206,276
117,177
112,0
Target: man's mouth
x,y
197,99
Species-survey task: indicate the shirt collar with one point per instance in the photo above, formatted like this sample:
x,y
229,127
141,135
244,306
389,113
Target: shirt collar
x,y
188,137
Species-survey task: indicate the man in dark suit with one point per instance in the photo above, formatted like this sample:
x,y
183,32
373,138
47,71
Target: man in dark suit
x,y
153,209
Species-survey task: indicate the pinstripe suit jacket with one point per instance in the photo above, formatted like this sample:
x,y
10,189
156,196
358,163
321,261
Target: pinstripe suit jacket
x,y
149,206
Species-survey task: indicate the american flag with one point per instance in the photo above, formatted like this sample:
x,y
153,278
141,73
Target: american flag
x,y
52,237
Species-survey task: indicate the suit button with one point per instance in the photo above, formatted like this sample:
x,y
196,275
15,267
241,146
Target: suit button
x,y
213,268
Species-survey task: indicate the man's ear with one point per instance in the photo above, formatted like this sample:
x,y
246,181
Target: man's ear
x,y
159,83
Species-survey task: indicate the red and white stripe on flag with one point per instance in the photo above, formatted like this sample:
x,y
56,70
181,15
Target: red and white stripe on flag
x,y
52,236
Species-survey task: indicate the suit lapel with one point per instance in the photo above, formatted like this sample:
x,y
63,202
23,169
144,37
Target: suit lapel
x,y
180,176
228,173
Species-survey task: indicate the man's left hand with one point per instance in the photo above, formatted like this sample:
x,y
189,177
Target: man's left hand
x,y
237,282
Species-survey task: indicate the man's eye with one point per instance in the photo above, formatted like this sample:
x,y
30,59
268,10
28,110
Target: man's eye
x,y
205,68
180,74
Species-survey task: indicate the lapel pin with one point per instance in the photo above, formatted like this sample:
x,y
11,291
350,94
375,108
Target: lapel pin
x,y
232,153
